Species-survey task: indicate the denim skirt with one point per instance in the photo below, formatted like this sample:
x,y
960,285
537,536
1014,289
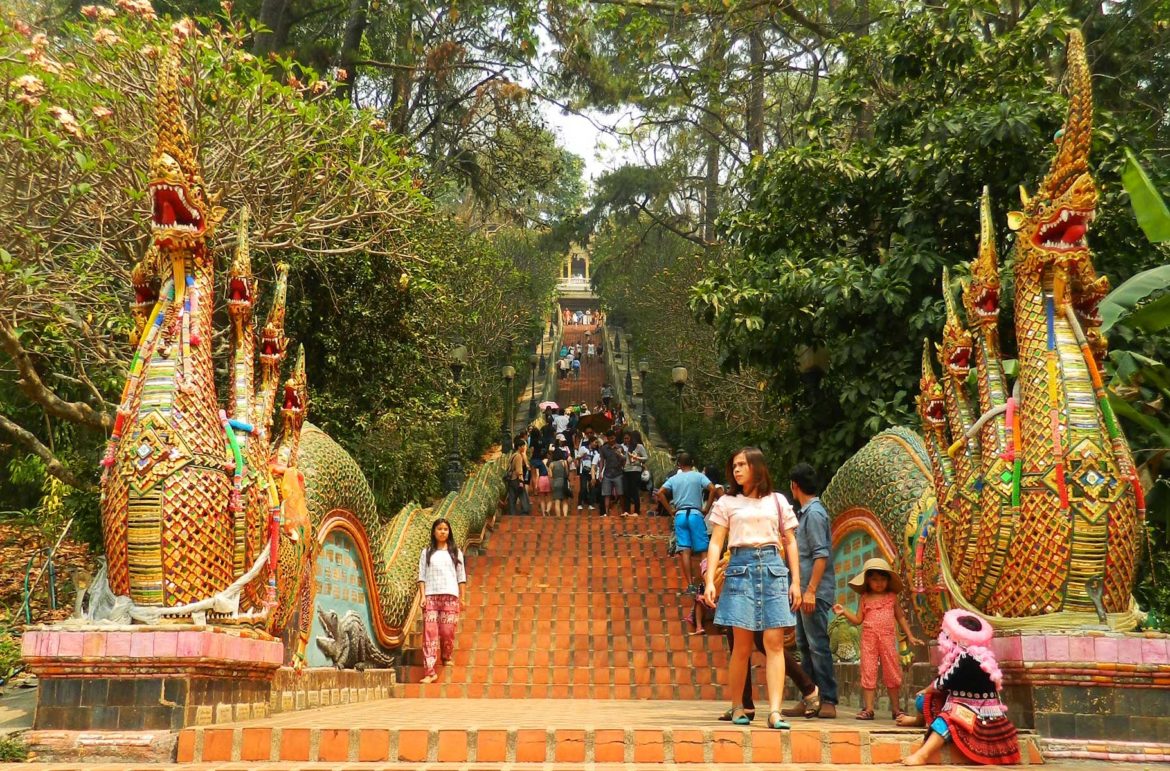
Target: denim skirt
x,y
755,591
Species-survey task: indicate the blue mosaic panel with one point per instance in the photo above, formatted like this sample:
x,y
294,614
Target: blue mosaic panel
x,y
849,555
341,586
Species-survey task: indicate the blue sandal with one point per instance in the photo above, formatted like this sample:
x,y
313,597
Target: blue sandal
x,y
778,723
739,716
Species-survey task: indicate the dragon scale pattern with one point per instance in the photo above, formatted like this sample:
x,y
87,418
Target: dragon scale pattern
x,y
1036,497
192,495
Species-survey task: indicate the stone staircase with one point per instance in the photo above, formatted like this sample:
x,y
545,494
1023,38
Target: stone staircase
x,y
581,607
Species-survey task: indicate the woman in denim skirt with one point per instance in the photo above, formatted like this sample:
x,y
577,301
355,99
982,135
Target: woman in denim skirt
x,y
759,592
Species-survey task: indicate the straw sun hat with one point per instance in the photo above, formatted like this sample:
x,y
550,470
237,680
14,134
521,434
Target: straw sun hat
x,y
857,583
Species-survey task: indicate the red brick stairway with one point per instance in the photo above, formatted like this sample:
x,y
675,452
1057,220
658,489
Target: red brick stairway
x,y
581,607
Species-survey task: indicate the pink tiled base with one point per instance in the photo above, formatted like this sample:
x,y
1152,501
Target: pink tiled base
x,y
49,649
1101,647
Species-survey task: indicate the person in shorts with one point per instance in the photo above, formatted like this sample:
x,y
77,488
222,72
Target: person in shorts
x,y
691,495
613,463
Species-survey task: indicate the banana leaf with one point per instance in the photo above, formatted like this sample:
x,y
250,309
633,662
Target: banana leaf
x,y
1128,297
1148,205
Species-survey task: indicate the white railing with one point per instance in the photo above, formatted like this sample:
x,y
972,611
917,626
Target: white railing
x,y
575,284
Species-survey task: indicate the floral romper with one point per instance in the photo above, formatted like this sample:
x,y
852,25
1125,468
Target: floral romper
x,y
879,641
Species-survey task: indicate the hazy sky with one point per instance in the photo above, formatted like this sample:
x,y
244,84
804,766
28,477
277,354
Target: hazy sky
x,y
601,150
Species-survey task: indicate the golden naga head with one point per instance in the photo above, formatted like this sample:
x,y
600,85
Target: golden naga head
x,y
955,351
144,278
981,296
181,212
272,339
295,404
1052,227
241,283
931,406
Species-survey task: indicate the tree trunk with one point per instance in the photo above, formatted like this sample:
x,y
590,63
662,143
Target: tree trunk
x,y
351,43
271,18
711,189
716,52
755,113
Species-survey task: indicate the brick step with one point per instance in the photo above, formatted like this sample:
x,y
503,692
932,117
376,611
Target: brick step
x,y
565,649
578,691
524,674
585,619
520,657
809,743
572,599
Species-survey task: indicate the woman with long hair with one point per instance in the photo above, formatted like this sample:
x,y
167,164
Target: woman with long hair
x,y
759,593
636,455
441,577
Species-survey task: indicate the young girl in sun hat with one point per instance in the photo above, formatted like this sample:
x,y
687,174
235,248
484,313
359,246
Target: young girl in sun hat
x,y
879,615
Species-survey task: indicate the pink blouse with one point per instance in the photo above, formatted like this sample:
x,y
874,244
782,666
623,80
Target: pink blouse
x,y
753,521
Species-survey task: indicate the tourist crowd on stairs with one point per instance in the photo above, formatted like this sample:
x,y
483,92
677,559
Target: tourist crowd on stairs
x,y
585,608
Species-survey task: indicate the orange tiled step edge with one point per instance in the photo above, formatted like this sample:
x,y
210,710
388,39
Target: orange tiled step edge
x,y
839,744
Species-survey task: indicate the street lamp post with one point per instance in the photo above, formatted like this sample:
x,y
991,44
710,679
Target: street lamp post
x,y
678,376
643,368
456,360
509,373
532,401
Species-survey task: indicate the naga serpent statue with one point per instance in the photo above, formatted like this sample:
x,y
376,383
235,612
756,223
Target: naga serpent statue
x,y
1020,503
209,514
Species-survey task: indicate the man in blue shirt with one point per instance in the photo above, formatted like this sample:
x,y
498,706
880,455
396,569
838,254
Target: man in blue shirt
x,y
691,495
815,544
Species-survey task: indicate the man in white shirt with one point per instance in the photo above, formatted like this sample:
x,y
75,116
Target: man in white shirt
x,y
560,421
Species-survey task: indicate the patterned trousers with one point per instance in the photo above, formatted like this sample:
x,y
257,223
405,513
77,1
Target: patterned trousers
x,y
440,617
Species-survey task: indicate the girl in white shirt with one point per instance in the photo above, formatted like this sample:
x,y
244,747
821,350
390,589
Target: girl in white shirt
x,y
759,592
441,577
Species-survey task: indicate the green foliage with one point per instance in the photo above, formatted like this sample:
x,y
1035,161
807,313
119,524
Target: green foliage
x,y
843,235
381,282
12,750
1148,206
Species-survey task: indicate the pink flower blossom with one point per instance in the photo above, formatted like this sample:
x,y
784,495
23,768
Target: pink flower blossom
x,y
183,29
27,99
106,36
100,112
140,8
22,28
98,12
30,84
68,123
319,87
341,74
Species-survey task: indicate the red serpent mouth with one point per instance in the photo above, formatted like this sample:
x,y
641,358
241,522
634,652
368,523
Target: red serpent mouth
x,y
936,411
1065,232
960,360
987,303
171,209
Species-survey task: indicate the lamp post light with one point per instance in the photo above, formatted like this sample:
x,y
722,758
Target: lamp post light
x,y
532,377
456,360
678,376
509,373
643,368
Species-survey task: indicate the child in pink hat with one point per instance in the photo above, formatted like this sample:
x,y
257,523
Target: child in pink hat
x,y
962,706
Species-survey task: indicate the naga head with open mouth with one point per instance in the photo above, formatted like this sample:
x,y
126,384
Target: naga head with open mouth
x,y
931,405
272,339
1052,227
241,283
181,212
955,352
981,296
295,402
